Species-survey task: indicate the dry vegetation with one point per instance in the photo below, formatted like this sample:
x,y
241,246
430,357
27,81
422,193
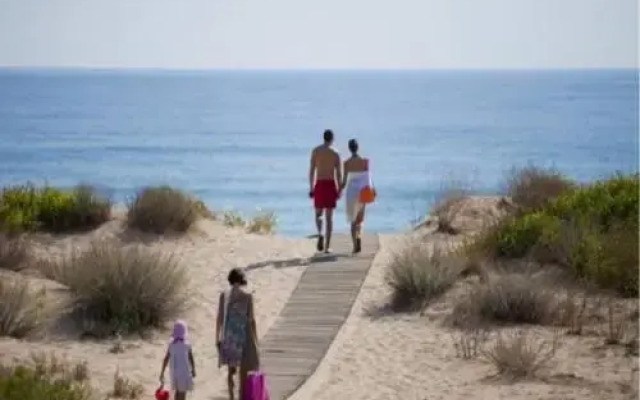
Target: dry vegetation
x,y
558,259
163,209
46,376
13,252
121,289
520,354
418,274
448,205
124,388
21,310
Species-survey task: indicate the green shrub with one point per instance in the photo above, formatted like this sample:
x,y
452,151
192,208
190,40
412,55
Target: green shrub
x,y
46,380
163,209
532,188
21,310
123,290
418,274
592,230
28,208
605,202
515,237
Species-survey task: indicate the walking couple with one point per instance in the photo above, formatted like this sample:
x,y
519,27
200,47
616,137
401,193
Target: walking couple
x,y
328,178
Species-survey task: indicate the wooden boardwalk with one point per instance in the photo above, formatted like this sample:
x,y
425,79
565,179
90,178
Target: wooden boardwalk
x,y
294,346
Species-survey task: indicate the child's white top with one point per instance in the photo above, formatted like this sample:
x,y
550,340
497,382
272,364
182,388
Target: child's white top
x,y
179,366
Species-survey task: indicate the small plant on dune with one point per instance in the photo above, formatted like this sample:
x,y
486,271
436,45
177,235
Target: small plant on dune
x,y
13,253
46,379
510,298
163,209
263,223
233,219
418,274
125,388
29,208
520,355
448,204
124,289
469,343
531,188
21,310
616,326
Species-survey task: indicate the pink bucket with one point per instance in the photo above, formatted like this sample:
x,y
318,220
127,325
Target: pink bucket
x,y
256,387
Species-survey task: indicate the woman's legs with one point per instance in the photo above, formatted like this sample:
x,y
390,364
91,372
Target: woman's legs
x,y
230,374
357,230
243,381
180,395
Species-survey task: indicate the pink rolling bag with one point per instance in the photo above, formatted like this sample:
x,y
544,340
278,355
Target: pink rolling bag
x,y
256,387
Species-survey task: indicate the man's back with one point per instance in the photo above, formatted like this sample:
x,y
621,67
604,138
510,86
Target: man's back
x,y
325,161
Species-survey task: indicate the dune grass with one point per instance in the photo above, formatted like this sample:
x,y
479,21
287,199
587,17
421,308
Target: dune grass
x,y
13,252
47,377
512,298
122,289
418,274
21,309
520,354
163,209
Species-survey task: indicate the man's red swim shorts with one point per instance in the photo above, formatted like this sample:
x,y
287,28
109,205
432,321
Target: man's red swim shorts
x,y
325,194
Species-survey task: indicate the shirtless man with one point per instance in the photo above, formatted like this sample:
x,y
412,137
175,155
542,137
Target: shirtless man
x,y
324,177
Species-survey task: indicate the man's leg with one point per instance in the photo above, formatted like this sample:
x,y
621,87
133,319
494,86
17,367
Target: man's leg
x,y
329,214
320,245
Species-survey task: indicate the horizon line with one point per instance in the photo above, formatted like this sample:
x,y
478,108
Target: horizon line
x,y
331,69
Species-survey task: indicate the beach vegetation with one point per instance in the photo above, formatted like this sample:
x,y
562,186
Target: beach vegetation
x,y
163,209
531,188
520,354
418,274
31,208
508,298
46,378
21,309
262,223
122,289
13,252
591,230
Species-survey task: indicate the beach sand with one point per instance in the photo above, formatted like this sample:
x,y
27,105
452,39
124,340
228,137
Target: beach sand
x,y
208,253
376,355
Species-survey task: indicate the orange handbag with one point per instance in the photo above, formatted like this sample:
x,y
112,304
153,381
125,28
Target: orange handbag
x,y
367,195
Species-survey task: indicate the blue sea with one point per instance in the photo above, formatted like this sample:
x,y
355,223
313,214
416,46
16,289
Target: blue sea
x,y
241,139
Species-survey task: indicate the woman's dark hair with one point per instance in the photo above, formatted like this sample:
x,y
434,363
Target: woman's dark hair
x,y
237,277
353,146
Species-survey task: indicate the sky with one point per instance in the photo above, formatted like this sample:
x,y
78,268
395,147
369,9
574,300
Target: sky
x,y
319,34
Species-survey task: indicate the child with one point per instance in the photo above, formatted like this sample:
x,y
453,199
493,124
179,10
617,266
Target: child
x,y
180,359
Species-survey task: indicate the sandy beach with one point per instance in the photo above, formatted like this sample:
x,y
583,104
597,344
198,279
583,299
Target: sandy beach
x,y
208,252
377,355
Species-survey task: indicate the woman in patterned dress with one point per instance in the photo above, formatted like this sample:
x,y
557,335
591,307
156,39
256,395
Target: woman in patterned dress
x,y
236,331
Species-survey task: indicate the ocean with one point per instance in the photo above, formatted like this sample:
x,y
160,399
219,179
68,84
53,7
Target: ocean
x,y
240,140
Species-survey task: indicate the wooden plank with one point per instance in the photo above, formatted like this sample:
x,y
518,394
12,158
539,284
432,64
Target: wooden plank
x,y
307,325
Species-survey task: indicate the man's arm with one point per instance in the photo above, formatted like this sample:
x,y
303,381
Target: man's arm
x,y
338,167
343,183
312,171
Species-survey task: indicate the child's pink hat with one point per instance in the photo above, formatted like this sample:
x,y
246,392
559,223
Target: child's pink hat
x,y
180,330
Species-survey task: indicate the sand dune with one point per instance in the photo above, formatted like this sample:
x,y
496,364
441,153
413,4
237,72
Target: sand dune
x,y
208,252
376,356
